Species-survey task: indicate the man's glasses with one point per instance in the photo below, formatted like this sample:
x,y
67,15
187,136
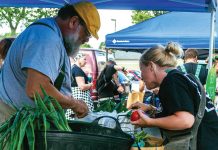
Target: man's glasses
x,y
88,34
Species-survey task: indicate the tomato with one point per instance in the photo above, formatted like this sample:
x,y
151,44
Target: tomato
x,y
134,116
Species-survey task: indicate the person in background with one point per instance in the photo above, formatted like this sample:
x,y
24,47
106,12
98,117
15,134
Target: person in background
x,y
125,82
191,65
215,63
108,85
179,96
80,85
4,47
150,98
40,55
122,78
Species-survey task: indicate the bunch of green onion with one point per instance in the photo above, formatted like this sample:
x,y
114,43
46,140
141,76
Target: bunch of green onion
x,y
47,115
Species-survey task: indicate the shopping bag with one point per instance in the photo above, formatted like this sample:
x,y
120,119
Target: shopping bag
x,y
211,83
134,97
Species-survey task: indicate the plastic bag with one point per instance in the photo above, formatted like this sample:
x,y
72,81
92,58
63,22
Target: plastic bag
x,y
105,122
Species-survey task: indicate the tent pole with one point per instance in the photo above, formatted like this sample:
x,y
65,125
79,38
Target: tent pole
x,y
106,55
212,31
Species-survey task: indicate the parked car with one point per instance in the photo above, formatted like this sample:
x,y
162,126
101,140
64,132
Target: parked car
x,y
96,60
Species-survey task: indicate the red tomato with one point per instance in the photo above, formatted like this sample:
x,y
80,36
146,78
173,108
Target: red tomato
x,y
134,116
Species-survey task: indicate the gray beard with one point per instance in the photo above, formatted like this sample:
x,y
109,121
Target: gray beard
x,y
72,49
71,44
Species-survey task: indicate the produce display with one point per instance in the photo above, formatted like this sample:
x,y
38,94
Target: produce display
x,y
47,115
142,139
110,106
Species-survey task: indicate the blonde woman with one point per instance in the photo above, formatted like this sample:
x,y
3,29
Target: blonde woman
x,y
180,96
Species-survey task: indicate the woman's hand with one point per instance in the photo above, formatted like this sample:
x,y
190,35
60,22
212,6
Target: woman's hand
x,y
141,106
90,85
143,121
120,89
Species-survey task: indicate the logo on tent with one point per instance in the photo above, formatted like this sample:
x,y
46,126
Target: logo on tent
x,y
120,41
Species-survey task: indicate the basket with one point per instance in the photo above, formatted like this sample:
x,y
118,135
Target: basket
x,y
86,136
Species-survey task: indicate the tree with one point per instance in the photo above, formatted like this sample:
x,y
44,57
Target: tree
x,y
141,15
86,45
102,45
22,17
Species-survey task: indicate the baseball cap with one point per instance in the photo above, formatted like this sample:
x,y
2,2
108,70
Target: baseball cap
x,y
89,14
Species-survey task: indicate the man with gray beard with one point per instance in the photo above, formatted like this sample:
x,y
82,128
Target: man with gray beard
x,y
40,57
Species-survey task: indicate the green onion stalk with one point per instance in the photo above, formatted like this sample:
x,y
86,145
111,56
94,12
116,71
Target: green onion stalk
x,y
46,115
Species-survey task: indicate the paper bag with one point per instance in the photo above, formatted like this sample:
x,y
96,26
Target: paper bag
x,y
134,97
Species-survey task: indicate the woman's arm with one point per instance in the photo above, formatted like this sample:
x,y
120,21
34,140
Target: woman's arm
x,y
179,121
82,85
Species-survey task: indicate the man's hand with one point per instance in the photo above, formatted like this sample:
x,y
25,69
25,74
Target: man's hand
x,y
80,108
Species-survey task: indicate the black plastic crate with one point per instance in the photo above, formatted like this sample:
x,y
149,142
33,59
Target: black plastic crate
x,y
85,136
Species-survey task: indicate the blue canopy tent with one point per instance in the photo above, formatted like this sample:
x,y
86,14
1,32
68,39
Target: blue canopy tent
x,y
190,29
168,5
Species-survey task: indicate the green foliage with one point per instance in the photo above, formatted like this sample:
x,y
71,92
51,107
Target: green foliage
x,y
22,17
86,45
110,106
140,136
47,115
8,35
102,45
141,15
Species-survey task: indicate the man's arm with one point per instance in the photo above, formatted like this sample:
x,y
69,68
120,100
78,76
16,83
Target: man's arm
x,y
35,79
